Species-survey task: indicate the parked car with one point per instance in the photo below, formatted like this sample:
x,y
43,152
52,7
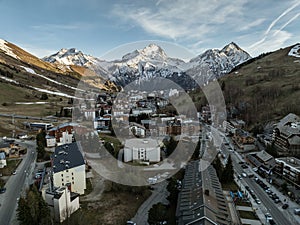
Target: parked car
x,y
244,174
130,223
2,190
297,211
257,201
14,172
244,166
285,206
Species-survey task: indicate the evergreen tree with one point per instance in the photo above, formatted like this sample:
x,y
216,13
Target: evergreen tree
x,y
41,143
227,175
197,151
170,145
157,214
33,210
218,167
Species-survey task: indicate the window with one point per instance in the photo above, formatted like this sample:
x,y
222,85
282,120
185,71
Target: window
x,y
62,184
72,178
62,180
72,182
62,175
67,171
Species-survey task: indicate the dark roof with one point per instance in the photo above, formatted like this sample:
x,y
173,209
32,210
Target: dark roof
x,y
71,124
4,144
196,207
66,157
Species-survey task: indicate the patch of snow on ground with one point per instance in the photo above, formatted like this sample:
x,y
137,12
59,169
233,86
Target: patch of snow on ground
x,y
31,103
42,90
7,49
29,70
295,51
9,80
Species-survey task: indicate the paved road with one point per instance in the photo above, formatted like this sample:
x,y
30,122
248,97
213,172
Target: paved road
x,y
159,194
279,216
15,185
28,117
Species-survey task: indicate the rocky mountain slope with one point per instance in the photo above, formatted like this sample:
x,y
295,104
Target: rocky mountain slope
x,y
152,61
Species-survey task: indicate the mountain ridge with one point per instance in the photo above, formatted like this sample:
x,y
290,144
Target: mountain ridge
x,y
152,61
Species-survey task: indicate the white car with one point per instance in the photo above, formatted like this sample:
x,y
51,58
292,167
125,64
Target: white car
x,y
244,174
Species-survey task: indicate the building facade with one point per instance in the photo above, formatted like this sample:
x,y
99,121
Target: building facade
x,y
68,168
286,135
143,150
289,169
62,202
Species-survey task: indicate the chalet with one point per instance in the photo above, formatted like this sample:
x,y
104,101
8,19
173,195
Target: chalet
x,y
262,160
244,140
286,135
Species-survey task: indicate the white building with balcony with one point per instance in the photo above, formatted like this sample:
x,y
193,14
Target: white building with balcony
x,y
142,150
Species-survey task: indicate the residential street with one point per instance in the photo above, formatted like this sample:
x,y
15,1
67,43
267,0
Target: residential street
x,y
15,184
159,194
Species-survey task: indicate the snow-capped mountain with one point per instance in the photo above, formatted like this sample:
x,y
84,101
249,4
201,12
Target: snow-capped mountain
x,y
71,57
152,61
217,62
143,64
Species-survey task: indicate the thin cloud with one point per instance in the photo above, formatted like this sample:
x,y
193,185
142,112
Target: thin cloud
x,y
181,19
255,23
270,42
280,16
277,31
287,23
56,26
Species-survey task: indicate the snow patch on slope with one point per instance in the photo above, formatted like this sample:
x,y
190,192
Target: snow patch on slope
x,y
6,49
295,51
29,70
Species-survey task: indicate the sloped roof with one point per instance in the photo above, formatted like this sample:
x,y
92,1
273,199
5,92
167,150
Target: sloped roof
x,y
264,156
66,157
290,118
294,140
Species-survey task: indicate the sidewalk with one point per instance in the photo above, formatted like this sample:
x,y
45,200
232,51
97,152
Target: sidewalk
x,y
292,205
234,216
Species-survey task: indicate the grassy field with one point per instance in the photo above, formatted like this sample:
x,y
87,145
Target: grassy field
x,y
114,208
12,165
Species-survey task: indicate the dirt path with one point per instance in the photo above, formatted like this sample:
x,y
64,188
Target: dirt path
x,y
98,187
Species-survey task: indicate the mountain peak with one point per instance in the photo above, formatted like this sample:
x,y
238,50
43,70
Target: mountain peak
x,y
70,56
231,47
153,50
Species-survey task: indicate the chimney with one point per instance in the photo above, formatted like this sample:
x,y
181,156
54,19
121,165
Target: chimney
x,y
206,192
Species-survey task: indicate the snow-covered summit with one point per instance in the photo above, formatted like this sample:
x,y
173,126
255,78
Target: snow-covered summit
x,y
71,56
218,61
152,61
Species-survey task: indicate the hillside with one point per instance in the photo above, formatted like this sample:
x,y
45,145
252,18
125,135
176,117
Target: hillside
x,y
263,89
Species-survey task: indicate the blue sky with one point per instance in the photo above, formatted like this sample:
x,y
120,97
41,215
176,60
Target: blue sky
x,y
98,26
